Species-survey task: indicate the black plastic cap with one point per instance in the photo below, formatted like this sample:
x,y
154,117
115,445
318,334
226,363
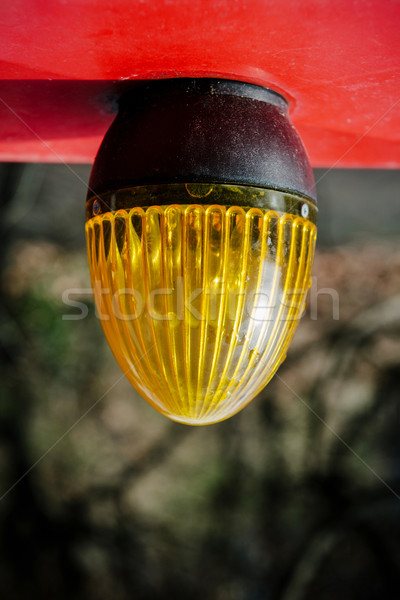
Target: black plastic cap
x,y
202,131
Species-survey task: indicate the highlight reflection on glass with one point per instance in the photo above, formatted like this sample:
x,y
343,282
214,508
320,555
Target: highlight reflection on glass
x,y
199,302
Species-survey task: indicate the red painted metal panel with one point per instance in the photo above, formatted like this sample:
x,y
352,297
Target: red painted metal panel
x,y
338,62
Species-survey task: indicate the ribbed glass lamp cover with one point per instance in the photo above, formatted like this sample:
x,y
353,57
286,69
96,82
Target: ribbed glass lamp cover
x,y
200,288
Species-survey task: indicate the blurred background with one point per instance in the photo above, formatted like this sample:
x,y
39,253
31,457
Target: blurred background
x,y
295,498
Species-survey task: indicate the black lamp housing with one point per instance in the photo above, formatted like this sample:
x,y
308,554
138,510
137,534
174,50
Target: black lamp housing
x,y
202,131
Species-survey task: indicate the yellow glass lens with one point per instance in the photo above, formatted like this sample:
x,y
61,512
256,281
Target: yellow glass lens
x,y
199,303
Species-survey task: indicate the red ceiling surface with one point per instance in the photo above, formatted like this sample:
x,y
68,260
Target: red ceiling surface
x,y
337,61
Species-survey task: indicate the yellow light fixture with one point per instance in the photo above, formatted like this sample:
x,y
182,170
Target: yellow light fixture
x,y
201,227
